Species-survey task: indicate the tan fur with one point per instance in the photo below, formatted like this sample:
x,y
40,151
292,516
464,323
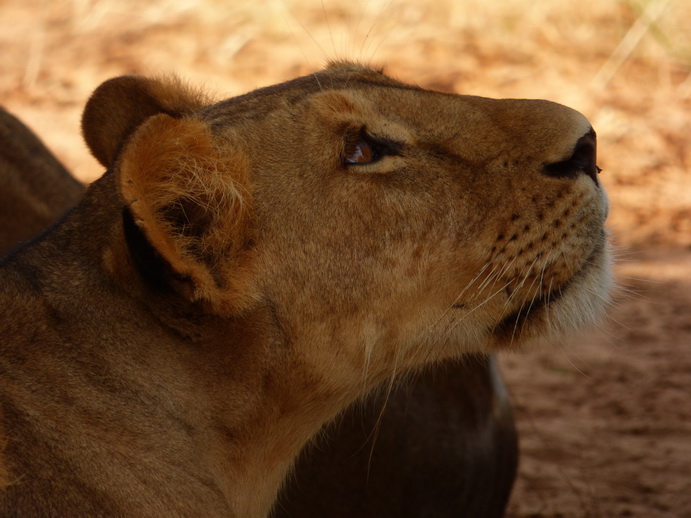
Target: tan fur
x,y
35,189
214,197
231,284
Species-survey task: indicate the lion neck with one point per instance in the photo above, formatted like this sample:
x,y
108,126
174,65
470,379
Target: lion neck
x,y
267,405
229,396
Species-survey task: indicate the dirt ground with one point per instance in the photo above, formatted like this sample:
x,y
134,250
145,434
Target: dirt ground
x,y
604,418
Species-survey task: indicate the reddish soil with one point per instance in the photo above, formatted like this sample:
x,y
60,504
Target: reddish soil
x,y
604,418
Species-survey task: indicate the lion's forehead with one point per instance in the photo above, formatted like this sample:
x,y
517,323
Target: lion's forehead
x,y
256,105
478,127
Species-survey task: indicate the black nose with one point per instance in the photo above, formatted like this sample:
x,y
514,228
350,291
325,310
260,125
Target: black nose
x,y
582,160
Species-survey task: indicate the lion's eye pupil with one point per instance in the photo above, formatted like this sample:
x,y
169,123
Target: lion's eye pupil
x,y
360,153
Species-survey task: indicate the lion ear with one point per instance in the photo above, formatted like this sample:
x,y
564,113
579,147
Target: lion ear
x,y
120,105
190,199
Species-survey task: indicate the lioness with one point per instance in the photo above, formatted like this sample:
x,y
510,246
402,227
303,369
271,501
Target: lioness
x,y
34,186
245,270
444,444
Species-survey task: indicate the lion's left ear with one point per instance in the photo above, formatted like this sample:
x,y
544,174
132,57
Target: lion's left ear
x,y
190,197
120,105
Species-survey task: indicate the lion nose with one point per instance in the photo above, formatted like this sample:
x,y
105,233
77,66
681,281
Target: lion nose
x,y
583,160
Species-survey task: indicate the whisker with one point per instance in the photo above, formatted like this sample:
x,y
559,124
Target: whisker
x,y
328,26
499,273
518,288
532,299
538,290
363,49
473,281
548,312
307,32
296,41
456,323
564,351
377,424
467,287
368,359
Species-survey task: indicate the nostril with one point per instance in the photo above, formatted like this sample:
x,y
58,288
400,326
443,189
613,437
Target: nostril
x,y
582,160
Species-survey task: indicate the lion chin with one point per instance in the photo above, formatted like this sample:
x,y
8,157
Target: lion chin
x,y
246,269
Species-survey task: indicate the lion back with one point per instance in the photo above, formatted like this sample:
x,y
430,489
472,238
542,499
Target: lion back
x,y
35,188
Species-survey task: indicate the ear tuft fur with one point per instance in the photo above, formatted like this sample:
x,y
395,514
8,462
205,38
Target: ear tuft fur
x,y
191,199
120,105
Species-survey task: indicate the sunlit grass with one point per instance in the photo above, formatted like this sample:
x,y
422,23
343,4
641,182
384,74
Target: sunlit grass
x,y
312,32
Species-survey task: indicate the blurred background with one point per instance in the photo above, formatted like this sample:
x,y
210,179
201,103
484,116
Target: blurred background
x,y
605,420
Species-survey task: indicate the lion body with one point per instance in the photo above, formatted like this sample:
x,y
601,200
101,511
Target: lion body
x,y
39,188
240,275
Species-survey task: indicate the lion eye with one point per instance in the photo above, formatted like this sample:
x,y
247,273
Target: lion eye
x,y
360,153
361,148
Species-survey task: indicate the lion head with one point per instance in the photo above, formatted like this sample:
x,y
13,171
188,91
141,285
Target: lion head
x,y
254,265
372,214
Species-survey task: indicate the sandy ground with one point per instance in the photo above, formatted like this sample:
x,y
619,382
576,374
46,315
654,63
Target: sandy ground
x,y
605,418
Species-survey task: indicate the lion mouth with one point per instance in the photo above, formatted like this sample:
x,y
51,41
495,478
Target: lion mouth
x,y
512,325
